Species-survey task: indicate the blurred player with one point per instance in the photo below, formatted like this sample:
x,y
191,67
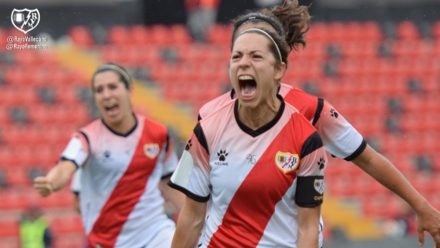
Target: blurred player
x,y
125,162
340,138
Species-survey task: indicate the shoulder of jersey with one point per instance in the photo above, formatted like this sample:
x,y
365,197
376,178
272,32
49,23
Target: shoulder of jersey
x,y
149,121
152,127
95,124
287,89
215,104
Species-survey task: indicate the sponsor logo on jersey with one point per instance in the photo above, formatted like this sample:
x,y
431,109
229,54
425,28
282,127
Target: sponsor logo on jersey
x,y
188,145
333,113
319,185
321,163
286,161
151,150
251,158
222,155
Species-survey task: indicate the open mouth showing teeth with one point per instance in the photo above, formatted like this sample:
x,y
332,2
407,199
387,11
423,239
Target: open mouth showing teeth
x,y
248,85
110,108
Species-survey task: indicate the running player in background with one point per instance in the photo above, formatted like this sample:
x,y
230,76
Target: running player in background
x,y
256,161
339,137
125,160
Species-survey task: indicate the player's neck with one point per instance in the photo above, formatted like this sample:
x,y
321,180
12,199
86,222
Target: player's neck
x,y
125,126
257,117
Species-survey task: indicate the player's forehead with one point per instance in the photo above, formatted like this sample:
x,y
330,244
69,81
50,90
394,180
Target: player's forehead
x,y
261,24
250,43
106,78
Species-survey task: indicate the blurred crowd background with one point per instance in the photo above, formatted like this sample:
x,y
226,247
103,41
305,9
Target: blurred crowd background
x,y
377,62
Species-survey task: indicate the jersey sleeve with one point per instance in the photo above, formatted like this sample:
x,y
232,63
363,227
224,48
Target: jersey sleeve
x,y
168,159
77,150
192,174
339,137
310,175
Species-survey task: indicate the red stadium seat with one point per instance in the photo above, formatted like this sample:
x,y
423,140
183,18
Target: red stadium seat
x,y
219,35
13,200
81,36
160,35
180,34
67,225
140,35
119,35
407,30
10,228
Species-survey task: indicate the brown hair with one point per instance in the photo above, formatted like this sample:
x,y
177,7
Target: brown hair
x,y
289,20
118,69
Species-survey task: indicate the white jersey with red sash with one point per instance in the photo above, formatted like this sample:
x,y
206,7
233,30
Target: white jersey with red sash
x,y
339,137
121,205
254,180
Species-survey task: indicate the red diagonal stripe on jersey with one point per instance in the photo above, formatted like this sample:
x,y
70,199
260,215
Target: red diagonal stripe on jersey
x,y
125,195
305,103
254,202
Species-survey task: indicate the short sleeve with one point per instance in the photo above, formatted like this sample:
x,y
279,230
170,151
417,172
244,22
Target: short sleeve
x,y
192,173
77,150
339,137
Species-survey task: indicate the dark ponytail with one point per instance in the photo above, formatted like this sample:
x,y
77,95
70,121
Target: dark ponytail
x,y
289,20
295,20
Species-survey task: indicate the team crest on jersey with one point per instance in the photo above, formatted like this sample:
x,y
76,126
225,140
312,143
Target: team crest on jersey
x,y
286,161
151,150
319,185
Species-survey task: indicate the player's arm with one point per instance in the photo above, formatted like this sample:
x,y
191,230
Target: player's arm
x,y
192,178
176,197
309,193
55,179
344,141
308,227
74,155
189,224
383,171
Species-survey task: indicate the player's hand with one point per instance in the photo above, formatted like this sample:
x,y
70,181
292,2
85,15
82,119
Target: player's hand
x,y
429,220
43,185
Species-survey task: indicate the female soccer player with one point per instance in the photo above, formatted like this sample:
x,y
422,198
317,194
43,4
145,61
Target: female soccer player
x,y
339,137
125,160
256,161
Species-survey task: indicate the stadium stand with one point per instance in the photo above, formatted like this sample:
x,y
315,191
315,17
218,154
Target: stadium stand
x,y
357,66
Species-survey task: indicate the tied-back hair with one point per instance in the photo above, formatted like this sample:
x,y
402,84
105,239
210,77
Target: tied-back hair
x,y
289,20
118,69
295,19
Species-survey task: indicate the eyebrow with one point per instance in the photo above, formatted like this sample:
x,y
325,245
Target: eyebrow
x,y
252,51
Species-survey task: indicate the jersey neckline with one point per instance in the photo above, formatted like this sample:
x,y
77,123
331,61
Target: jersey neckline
x,y
265,127
126,134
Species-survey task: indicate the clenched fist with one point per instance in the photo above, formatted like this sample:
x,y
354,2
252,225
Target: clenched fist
x,y
43,185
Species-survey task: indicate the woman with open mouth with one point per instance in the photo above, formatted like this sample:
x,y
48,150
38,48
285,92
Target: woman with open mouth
x,y
253,169
339,137
125,161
